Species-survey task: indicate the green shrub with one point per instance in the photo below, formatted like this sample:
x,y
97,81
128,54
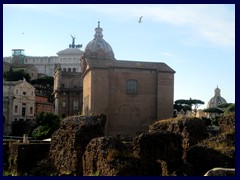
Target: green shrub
x,y
47,124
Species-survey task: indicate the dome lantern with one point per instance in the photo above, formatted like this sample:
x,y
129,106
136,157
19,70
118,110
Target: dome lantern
x,y
216,100
98,48
98,32
217,91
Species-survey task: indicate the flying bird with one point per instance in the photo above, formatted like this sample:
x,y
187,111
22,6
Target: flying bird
x,y
140,19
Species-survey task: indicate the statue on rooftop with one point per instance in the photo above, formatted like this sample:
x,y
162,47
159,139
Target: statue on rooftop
x,y
73,41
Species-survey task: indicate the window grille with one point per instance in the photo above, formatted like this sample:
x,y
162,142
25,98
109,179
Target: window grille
x,y
131,87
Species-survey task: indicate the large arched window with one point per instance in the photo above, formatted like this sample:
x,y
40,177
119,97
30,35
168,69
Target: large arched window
x,y
131,87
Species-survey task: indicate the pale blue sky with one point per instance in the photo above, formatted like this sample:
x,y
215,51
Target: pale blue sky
x,y
197,41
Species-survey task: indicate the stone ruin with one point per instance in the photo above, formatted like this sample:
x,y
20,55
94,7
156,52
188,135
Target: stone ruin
x,y
79,147
169,148
68,143
147,156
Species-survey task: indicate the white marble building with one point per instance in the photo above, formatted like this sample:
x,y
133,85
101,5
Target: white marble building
x,y
19,103
69,59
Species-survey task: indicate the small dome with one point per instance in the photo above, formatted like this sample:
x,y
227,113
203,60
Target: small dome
x,y
98,48
217,99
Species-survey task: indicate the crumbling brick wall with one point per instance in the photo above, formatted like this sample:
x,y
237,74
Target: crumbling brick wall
x,y
68,143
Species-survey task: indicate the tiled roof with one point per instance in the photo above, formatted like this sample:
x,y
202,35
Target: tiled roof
x,y
159,66
12,82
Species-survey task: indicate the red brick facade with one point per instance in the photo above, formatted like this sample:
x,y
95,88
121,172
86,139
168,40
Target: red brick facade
x,y
105,90
42,104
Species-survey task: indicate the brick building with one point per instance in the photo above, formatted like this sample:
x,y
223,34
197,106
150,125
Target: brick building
x,y
132,94
42,104
67,92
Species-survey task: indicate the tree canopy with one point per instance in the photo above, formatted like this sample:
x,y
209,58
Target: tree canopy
x,y
214,110
43,81
187,105
223,108
47,124
44,86
16,75
230,108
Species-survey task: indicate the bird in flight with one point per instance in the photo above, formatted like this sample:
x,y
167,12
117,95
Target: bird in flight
x,y
140,19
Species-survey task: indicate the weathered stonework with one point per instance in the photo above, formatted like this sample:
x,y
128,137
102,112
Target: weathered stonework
x,y
192,130
203,159
162,146
68,143
227,123
108,156
23,156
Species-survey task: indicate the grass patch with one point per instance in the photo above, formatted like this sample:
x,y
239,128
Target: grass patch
x,y
223,143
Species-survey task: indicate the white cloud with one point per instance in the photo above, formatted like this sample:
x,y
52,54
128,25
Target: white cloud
x,y
55,9
167,54
213,23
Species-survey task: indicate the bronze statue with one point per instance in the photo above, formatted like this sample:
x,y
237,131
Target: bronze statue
x,y
73,41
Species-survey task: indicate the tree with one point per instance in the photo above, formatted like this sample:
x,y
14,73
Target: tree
x,y
16,75
44,85
43,81
229,109
213,111
221,110
181,107
188,105
47,124
225,105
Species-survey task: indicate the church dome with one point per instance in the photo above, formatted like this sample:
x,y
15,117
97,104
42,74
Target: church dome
x,y
98,48
216,100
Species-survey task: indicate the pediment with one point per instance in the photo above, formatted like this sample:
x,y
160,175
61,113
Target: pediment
x,y
24,85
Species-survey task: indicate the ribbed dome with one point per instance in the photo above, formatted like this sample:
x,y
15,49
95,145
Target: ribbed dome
x,y
216,100
98,48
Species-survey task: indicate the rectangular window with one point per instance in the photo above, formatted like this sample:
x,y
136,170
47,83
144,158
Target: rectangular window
x,y
131,87
23,111
75,105
64,104
16,109
31,110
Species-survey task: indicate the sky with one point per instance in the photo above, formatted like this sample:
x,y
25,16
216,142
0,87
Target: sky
x,y
196,40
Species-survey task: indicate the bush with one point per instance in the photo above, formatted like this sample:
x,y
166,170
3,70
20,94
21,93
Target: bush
x,y
230,109
47,124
